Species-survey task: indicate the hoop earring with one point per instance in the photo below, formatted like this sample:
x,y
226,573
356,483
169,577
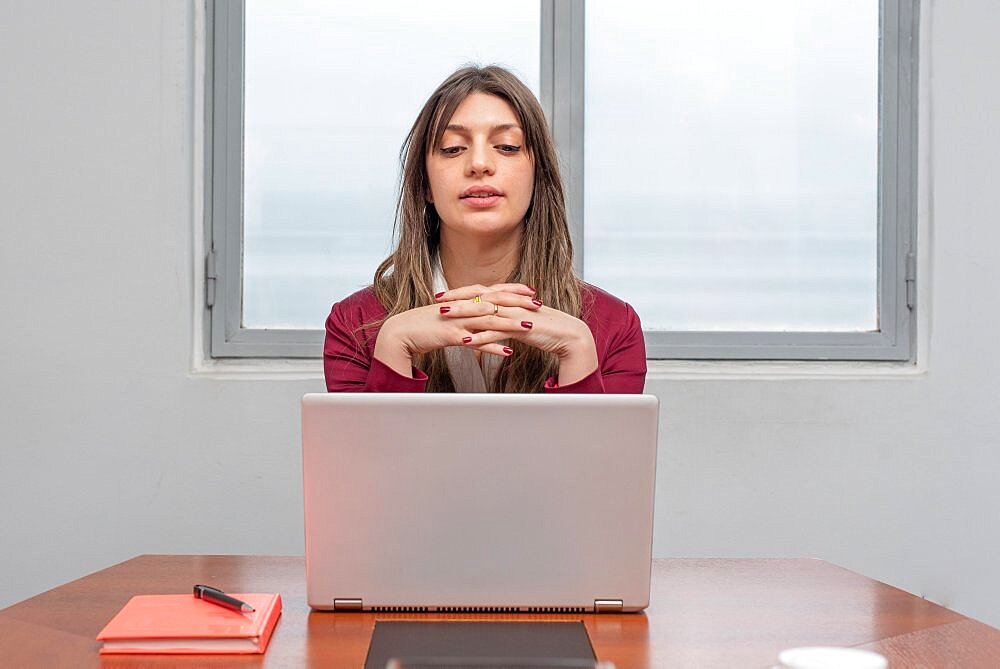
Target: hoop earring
x,y
432,222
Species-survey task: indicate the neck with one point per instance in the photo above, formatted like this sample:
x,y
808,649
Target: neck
x,y
467,261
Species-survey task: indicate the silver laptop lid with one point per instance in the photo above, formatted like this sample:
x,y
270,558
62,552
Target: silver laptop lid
x,y
463,502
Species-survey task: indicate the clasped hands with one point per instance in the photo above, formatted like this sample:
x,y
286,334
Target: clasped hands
x,y
503,311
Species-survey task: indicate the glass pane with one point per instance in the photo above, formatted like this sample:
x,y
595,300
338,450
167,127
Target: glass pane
x,y
332,88
732,162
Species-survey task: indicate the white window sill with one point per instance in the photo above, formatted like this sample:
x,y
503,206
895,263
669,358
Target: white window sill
x,y
778,369
253,369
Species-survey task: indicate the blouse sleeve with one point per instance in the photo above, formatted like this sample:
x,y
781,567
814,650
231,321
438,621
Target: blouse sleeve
x,y
348,361
622,365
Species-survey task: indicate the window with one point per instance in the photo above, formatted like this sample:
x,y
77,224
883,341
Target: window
x,y
742,173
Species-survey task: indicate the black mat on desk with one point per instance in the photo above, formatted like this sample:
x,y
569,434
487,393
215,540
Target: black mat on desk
x,y
421,645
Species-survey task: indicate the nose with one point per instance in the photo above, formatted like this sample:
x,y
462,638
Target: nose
x,y
480,159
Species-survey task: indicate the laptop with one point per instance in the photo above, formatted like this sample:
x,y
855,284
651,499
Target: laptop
x,y
478,503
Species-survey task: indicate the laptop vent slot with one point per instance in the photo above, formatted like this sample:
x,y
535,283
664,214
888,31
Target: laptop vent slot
x,y
479,609
399,609
556,609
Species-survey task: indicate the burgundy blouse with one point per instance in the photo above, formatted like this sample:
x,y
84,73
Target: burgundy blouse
x,y
350,365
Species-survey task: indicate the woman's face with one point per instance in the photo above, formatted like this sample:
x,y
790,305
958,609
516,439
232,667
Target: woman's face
x,y
481,176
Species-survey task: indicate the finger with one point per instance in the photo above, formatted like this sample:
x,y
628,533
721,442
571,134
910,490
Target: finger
x,y
470,309
484,338
502,306
463,293
505,299
470,292
500,323
496,349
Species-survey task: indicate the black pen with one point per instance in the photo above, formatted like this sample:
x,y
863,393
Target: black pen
x,y
216,596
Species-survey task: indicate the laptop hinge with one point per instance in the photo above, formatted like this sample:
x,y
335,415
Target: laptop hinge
x,y
347,605
608,605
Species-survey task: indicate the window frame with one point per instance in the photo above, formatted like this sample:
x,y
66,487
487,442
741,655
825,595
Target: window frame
x,y
562,97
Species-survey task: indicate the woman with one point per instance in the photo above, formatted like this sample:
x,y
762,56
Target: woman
x,y
482,224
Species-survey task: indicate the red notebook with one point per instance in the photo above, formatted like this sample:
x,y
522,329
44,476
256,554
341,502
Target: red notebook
x,y
186,624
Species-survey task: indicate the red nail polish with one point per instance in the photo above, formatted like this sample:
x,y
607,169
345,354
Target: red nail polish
x,y
532,289
437,296
537,303
445,310
466,340
507,350
526,324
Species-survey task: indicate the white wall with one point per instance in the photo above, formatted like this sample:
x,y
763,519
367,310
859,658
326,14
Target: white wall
x,y
111,446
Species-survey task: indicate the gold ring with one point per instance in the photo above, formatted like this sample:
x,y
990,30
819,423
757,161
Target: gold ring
x,y
496,308
477,299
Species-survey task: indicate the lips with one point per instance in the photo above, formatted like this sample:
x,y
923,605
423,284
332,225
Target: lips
x,y
483,192
480,197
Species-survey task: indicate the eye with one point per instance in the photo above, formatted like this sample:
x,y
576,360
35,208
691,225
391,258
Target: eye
x,y
451,150
507,148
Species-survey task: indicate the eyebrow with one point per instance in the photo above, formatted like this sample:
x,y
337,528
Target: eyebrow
x,y
495,129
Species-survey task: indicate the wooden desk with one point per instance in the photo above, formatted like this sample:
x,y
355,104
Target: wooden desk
x,y
703,613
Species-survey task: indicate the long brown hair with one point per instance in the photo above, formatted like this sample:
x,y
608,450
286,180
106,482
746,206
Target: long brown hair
x,y
404,280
